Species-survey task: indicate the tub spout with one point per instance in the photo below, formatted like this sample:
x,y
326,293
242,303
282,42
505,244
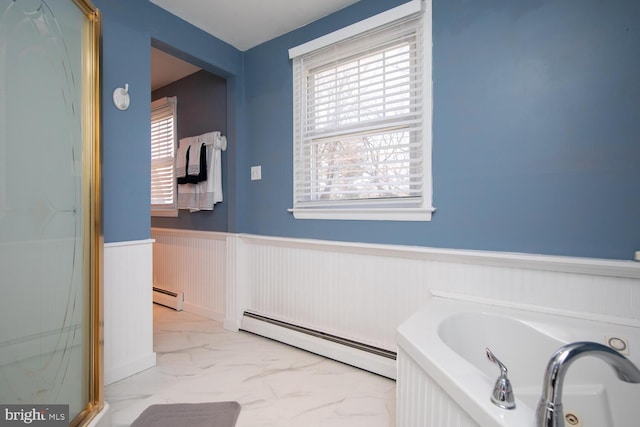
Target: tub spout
x,y
549,412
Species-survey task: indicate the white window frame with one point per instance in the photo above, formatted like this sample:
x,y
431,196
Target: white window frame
x,y
417,209
162,109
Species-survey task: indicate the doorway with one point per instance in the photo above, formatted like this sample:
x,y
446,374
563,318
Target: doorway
x,y
202,107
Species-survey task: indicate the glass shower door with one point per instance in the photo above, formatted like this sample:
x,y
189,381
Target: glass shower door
x,y
49,209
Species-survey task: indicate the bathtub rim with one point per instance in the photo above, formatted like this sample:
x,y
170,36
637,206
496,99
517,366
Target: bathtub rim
x,y
429,358
468,389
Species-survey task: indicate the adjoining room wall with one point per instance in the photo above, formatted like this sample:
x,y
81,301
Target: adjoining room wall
x,y
202,107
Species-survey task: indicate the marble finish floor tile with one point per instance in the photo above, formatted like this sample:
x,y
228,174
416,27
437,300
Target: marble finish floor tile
x,y
277,385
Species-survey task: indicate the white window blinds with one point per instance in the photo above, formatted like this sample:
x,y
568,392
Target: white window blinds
x,y
163,148
359,136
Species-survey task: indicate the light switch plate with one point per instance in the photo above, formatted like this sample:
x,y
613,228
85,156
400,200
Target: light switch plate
x,y
256,173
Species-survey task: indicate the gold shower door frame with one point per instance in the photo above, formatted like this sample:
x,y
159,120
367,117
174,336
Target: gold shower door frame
x,y
92,200
82,208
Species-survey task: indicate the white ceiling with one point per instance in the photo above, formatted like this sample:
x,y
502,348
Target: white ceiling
x,y
241,23
166,68
248,23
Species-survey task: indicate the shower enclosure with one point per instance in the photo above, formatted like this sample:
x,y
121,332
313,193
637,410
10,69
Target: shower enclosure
x,y
50,228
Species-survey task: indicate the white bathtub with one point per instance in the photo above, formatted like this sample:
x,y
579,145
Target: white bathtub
x,y
444,377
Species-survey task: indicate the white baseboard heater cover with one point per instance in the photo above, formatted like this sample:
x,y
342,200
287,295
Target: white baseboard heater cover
x,y
168,298
363,356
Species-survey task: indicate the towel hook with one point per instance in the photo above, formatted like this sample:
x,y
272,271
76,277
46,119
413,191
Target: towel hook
x,y
121,97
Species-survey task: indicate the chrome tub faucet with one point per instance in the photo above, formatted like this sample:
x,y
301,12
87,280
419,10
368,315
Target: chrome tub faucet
x,y
549,412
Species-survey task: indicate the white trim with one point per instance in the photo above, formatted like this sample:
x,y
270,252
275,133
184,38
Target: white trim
x,y
203,311
351,356
173,213
200,234
380,19
231,325
625,321
113,374
388,214
161,102
565,264
129,243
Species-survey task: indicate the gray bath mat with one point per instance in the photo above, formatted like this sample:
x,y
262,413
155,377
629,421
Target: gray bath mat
x,y
213,414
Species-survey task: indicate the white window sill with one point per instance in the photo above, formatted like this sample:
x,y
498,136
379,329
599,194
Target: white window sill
x,y
165,213
377,214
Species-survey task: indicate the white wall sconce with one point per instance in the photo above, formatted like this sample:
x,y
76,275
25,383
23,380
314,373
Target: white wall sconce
x,y
121,97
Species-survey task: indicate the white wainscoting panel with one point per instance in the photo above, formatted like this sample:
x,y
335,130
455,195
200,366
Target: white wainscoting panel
x,y
422,402
237,299
351,295
128,311
363,292
195,263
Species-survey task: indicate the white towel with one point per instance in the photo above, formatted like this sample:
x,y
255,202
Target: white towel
x,y
204,195
194,155
210,191
188,197
209,138
181,156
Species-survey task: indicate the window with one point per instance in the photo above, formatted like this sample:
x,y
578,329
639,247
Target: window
x,y
362,114
163,148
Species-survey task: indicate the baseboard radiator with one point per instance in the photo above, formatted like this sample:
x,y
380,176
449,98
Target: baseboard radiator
x,y
361,355
168,298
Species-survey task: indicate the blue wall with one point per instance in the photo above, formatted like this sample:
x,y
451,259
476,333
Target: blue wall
x,y
202,107
536,137
126,164
129,29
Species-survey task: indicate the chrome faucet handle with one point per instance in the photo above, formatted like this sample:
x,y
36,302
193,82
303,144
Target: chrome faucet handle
x,y
502,395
